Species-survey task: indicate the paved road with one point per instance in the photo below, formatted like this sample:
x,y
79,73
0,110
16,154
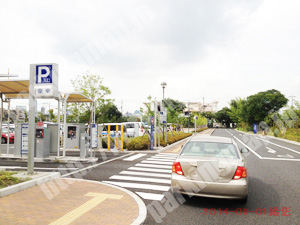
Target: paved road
x,y
273,170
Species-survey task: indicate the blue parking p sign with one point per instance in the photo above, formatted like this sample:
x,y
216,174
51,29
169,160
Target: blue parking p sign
x,y
43,74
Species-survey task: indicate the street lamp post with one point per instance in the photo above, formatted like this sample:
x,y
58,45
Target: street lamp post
x,y
163,85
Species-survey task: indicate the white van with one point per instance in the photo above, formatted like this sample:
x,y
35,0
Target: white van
x,y
135,129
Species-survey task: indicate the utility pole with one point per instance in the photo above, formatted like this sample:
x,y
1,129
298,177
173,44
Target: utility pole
x,y
122,111
203,106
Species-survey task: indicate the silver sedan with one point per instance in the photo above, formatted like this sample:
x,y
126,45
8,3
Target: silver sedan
x,y
211,166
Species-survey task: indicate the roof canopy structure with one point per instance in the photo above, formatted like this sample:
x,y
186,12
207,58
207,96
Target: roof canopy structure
x,y
77,97
15,88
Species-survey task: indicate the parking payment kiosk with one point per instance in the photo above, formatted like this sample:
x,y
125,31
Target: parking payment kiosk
x,y
42,136
94,135
73,135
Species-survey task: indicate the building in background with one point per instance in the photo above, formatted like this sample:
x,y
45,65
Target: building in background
x,y
199,107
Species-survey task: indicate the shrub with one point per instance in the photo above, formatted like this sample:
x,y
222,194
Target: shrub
x,y
6,179
143,143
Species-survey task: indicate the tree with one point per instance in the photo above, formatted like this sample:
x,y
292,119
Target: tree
x,y
222,116
108,113
91,86
52,117
260,105
237,111
174,108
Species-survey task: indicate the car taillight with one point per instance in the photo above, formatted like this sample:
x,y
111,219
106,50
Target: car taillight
x,y
176,168
240,172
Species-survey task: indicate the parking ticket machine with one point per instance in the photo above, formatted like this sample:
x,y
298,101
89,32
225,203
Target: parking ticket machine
x,y
42,136
74,130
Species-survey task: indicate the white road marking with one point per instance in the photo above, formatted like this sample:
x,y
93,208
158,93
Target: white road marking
x,y
150,170
140,186
167,154
134,157
271,150
146,174
37,168
157,162
154,166
250,149
284,156
142,179
282,159
94,166
150,196
292,150
163,160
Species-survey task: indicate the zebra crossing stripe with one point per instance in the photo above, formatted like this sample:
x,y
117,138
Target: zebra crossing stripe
x,y
141,179
146,174
139,186
150,196
153,166
150,169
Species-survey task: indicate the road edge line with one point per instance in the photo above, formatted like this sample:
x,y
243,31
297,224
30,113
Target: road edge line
x,y
255,153
99,164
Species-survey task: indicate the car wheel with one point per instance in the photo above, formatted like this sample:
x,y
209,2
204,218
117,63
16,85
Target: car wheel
x,y
3,140
244,200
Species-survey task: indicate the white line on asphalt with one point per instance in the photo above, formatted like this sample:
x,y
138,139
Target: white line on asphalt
x,y
157,162
37,168
134,157
165,158
150,170
167,154
146,174
159,159
94,166
154,166
292,150
141,186
248,148
284,156
282,159
142,179
150,196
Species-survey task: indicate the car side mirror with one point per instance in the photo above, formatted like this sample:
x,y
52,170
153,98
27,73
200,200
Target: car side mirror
x,y
244,150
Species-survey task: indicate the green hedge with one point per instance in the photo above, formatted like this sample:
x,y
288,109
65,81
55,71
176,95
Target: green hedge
x,y
143,142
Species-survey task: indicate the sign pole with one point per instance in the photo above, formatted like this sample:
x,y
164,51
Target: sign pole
x,y
155,108
151,133
31,123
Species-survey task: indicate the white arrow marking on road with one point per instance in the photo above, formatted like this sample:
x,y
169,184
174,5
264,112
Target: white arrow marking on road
x,y
271,150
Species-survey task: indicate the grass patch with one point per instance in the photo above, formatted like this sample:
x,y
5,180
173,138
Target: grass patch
x,y
6,179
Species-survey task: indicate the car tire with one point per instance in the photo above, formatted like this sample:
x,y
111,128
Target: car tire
x,y
3,140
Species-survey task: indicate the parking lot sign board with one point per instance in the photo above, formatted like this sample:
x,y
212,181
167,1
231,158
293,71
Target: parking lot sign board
x,y
45,80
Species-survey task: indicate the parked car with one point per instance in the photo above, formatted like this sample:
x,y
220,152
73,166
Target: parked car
x,y
210,166
135,129
5,134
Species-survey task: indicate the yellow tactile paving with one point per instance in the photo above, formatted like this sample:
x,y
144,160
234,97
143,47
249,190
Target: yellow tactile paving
x,y
74,202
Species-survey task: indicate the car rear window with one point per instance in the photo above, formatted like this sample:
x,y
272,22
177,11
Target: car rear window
x,y
210,149
130,125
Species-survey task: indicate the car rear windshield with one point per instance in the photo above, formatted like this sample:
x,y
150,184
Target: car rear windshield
x,y
210,149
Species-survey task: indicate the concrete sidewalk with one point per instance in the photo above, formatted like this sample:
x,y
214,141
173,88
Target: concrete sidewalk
x,y
72,201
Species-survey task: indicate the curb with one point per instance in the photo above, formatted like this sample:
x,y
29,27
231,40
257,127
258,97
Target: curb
x,y
142,207
276,138
28,184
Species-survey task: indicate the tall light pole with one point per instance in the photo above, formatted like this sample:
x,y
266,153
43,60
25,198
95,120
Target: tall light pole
x,y
163,85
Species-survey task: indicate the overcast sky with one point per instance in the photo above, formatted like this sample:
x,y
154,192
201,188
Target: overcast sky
x,y
216,49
